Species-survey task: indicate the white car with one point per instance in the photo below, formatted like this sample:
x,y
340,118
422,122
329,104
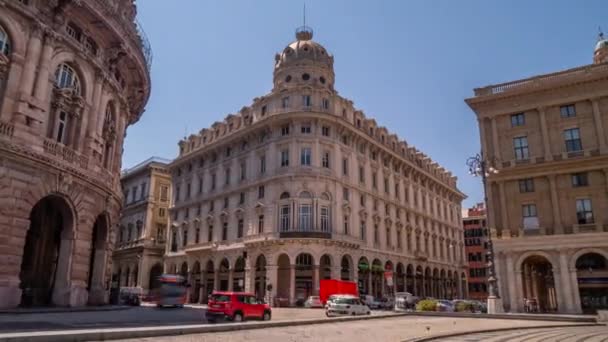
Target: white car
x,y
372,302
347,306
313,302
336,296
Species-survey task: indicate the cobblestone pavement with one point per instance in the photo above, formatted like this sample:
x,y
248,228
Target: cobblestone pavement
x,y
570,334
380,330
133,317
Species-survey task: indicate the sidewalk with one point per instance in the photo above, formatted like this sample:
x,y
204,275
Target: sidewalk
x,y
20,311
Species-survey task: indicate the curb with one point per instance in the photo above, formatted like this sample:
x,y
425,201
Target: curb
x,y
550,318
464,333
124,333
65,310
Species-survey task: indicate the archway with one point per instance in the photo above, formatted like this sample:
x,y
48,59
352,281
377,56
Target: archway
x,y
224,275
409,280
304,277
539,284
363,275
97,261
387,289
238,277
184,270
377,274
209,280
592,275
427,282
399,278
464,286
419,283
47,254
450,285
195,282
155,272
260,277
346,268
283,279
324,268
442,285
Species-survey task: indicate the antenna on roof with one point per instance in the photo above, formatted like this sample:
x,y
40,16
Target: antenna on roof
x,y
600,33
304,32
304,13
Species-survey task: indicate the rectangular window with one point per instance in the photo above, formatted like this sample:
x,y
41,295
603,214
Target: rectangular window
x,y
374,180
399,243
306,101
345,167
210,234
305,156
567,111
530,218
518,120
228,151
285,102
241,198
284,158
225,231
177,193
211,206
580,179
388,237
62,128
200,185
285,218
133,194
239,229
227,177
226,201
142,191
325,219
261,191
213,178
284,130
305,129
397,192
174,241
197,235
260,224
362,200
345,225
526,185
185,237
376,234
573,140
264,110
363,233
164,193
263,164
161,212
361,174
520,146
325,131
243,170
325,104
305,212
188,190
325,160
386,186
584,212
345,194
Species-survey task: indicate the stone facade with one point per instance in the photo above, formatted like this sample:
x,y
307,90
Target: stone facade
x,y
547,204
73,76
476,249
301,186
141,238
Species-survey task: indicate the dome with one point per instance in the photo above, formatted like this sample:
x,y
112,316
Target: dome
x,y
304,60
602,43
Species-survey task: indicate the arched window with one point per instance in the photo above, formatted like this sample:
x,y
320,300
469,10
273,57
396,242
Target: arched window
x,y
284,195
66,78
325,196
5,47
305,194
109,134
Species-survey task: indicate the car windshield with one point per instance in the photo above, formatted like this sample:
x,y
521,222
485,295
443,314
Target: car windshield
x,y
345,301
220,298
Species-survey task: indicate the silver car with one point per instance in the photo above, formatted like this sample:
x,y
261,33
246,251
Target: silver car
x,y
347,306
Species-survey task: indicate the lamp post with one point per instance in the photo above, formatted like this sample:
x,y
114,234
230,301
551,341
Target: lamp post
x,y
482,167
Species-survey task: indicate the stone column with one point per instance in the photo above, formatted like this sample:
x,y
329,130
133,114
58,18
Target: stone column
x,y
557,221
495,145
576,299
97,292
273,277
216,279
231,279
336,272
249,278
31,58
512,283
42,81
61,289
95,115
460,292
545,134
599,128
369,282
292,285
315,280
519,288
503,208
565,303
528,281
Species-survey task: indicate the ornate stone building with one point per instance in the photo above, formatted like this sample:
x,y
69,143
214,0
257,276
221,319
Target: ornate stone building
x,y
301,186
73,76
476,249
548,205
140,241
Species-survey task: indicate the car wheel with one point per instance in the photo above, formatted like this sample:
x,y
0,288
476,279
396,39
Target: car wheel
x,y
354,313
369,312
266,316
238,317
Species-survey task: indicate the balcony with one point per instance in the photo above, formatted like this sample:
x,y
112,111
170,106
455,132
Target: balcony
x,y
71,156
588,228
312,233
6,129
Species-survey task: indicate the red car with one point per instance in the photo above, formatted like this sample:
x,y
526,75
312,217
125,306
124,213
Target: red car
x,y
236,306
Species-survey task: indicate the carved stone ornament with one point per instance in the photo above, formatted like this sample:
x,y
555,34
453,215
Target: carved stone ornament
x,y
66,99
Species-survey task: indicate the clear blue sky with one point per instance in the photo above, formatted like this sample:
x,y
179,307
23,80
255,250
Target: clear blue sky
x,y
408,64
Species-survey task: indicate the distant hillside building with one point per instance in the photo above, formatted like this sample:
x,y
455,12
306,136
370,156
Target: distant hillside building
x,y
475,242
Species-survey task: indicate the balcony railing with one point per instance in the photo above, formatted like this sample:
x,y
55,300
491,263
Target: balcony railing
x,y
312,233
57,149
6,129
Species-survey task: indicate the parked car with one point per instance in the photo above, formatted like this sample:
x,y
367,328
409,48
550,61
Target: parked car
x,y
371,302
236,306
445,306
347,306
386,303
336,296
313,302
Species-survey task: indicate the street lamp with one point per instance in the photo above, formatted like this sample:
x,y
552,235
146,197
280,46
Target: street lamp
x,y
482,167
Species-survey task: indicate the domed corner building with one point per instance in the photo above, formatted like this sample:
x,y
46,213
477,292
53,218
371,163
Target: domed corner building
x,y
301,186
73,76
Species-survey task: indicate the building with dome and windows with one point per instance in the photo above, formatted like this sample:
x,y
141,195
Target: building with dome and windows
x,y
301,186
73,76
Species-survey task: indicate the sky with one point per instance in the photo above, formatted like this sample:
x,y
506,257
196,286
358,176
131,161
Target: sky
x,y
408,64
